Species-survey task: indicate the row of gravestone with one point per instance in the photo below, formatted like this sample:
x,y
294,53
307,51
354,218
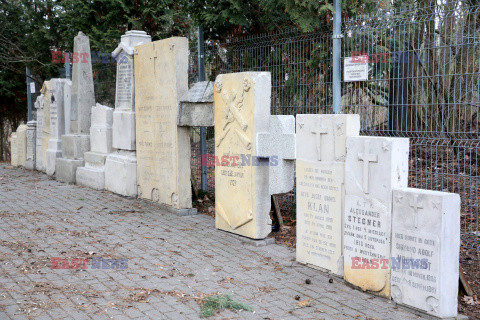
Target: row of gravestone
x,y
355,216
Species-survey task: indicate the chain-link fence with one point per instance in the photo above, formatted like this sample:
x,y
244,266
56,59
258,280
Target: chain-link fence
x,y
423,83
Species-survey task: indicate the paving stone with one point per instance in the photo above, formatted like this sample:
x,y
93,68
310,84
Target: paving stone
x,y
160,255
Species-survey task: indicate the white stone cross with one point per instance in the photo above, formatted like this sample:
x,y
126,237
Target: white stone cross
x,y
366,158
414,203
318,132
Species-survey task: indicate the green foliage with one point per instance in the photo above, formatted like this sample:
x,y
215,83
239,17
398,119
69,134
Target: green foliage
x,y
221,302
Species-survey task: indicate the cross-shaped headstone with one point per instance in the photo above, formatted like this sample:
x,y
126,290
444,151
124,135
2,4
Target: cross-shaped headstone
x,y
318,132
415,204
279,142
366,158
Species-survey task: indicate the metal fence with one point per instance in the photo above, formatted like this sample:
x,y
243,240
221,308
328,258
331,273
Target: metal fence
x,y
423,83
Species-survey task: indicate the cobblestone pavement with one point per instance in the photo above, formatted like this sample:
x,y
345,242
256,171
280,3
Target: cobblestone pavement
x,y
173,262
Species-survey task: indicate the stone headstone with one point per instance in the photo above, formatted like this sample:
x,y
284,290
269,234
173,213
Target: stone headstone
x,y
39,165
13,150
67,103
45,91
121,165
124,114
278,145
31,144
374,167
83,94
75,144
21,145
196,106
163,148
242,111
57,123
93,174
425,250
321,151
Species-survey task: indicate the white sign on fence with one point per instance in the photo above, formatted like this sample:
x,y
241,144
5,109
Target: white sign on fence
x,y
355,69
32,87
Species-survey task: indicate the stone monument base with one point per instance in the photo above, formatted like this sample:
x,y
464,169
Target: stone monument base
x,y
66,169
178,212
123,130
52,156
93,174
75,145
30,164
121,173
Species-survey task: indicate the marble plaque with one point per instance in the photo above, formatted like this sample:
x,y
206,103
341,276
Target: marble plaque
x,y
374,166
320,168
163,149
425,250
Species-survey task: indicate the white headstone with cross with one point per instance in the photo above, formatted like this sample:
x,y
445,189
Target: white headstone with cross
x,y
425,250
374,166
320,187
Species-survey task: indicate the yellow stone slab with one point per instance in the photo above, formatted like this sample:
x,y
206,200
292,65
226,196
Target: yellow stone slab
x,y
163,148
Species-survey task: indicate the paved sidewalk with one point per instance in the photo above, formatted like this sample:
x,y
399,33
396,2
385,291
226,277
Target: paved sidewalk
x,y
173,262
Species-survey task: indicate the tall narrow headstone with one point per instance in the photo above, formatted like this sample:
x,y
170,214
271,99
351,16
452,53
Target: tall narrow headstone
x,y
57,123
163,148
321,152
19,146
121,165
46,122
93,174
425,250
77,142
39,165
242,112
374,167
13,150
67,103
31,144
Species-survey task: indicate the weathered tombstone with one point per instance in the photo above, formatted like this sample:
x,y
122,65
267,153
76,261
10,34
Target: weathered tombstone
x,y
242,111
19,146
321,152
93,174
45,91
31,144
163,148
278,144
425,250
196,108
374,167
57,124
39,165
77,142
13,150
67,103
121,165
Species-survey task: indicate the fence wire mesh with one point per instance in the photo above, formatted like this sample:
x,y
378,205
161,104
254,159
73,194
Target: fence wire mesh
x,y
423,83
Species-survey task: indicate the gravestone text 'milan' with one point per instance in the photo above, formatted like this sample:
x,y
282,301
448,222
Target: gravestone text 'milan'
x,y
374,167
163,148
320,169
242,111
425,250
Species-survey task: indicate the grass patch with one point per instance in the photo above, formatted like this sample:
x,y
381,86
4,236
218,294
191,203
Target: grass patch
x,y
221,302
